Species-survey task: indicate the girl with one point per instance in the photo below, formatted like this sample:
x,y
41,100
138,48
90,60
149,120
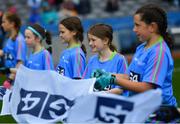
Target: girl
x,y
40,59
100,40
152,65
14,52
72,60
2,38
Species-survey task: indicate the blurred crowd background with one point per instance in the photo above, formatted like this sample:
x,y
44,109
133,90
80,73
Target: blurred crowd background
x,y
117,13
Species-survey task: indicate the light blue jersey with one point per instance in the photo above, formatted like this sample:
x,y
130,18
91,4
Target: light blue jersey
x,y
154,65
116,64
72,63
15,51
40,61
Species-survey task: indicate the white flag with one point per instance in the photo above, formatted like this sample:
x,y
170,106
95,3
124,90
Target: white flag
x,y
45,96
6,103
110,108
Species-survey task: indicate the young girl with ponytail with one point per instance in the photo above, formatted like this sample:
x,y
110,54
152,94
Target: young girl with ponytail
x,y
72,60
152,65
41,58
100,38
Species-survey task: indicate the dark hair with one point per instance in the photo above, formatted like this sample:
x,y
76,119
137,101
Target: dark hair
x,y
152,13
74,24
103,31
13,17
41,33
1,15
2,32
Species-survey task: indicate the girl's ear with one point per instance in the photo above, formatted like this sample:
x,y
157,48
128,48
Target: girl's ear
x,y
12,23
106,40
37,39
154,27
73,32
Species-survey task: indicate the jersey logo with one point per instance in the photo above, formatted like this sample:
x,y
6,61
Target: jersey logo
x,y
61,70
64,60
135,77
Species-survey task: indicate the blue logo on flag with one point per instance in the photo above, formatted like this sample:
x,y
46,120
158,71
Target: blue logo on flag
x,y
111,110
43,105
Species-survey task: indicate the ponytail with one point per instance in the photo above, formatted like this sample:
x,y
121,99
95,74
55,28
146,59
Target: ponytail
x,y
84,49
48,40
169,40
112,47
79,36
49,49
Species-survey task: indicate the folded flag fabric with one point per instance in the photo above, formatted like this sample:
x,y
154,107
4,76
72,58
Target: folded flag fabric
x,y
44,96
110,108
2,92
47,97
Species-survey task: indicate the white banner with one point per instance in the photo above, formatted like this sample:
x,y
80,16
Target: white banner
x,y
44,96
6,103
109,108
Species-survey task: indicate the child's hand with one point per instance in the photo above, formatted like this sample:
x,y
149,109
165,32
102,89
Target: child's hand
x,y
103,79
97,73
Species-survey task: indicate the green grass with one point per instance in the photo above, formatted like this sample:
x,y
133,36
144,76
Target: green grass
x,y
176,85
5,119
176,79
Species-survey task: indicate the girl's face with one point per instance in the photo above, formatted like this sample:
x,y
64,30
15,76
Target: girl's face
x,y
30,38
6,24
96,44
142,30
65,34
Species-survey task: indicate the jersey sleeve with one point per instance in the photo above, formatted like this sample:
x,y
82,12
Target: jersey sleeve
x,y
156,67
122,68
20,47
48,62
122,65
88,70
78,63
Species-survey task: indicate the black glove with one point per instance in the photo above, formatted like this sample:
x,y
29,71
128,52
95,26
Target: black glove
x,y
5,70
